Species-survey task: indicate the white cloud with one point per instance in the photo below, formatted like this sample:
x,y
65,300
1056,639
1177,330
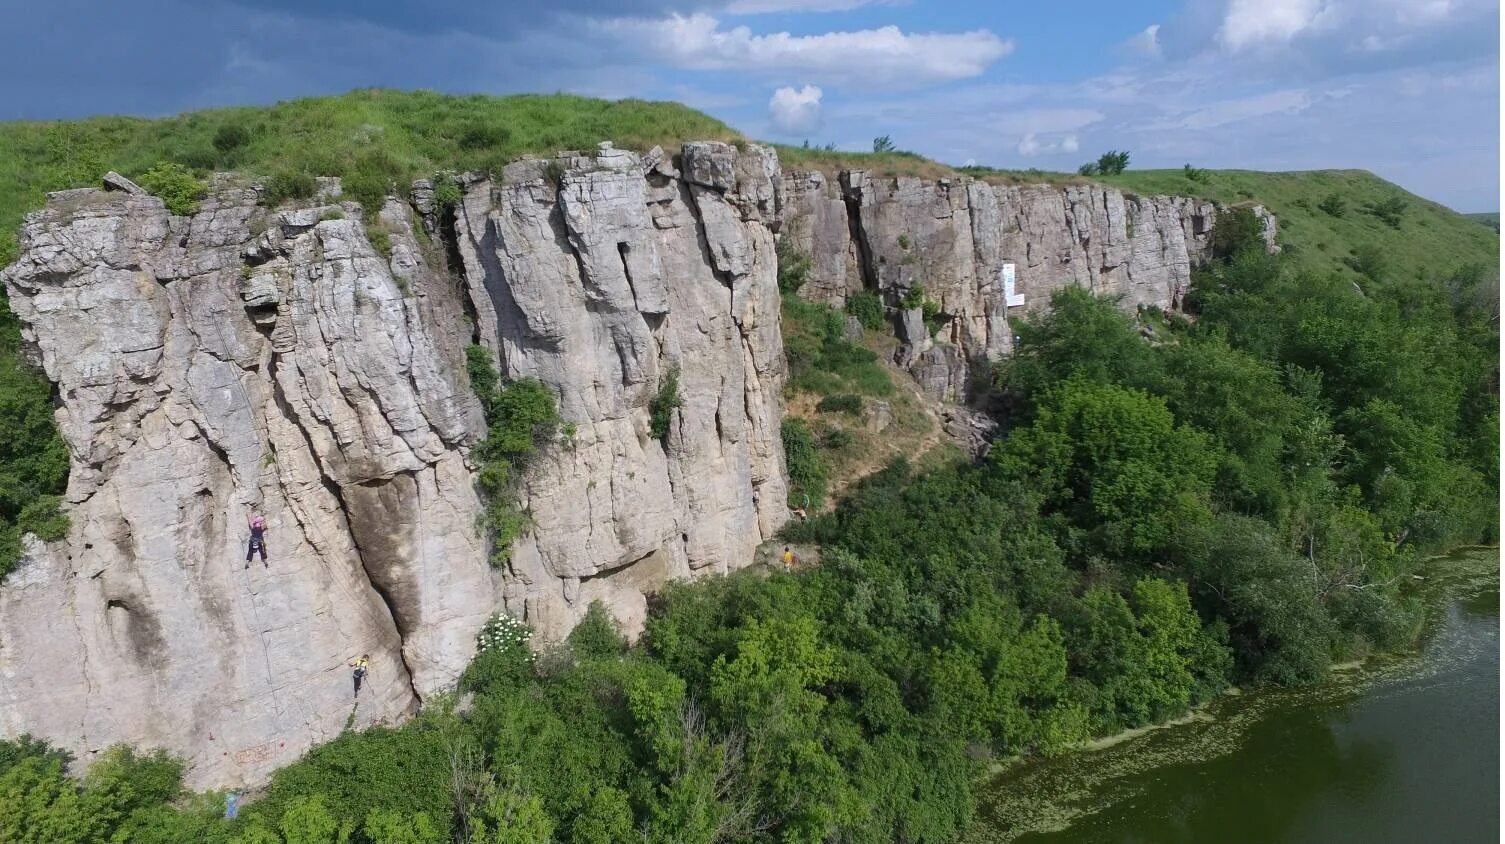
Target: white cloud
x,y
1359,25
758,7
1252,22
795,112
1031,145
1044,121
1237,110
1146,43
884,57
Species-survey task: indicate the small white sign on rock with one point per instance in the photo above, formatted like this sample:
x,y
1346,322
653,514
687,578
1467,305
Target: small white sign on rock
x,y
1010,298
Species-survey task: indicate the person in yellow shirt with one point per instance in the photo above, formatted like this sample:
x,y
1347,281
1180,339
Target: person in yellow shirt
x,y
359,674
789,559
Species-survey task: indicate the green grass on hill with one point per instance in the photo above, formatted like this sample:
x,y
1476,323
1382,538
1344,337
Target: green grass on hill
x,y
378,136
1326,225
1488,218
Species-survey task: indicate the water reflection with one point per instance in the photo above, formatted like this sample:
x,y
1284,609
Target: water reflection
x,y
1408,753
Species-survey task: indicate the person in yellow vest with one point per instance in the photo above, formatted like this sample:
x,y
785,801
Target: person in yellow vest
x,y
359,674
789,559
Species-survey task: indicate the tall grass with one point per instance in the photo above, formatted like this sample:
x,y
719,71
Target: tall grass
x,y
377,139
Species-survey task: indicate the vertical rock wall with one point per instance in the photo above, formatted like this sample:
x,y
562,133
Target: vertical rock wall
x,y
209,367
244,359
622,275
953,237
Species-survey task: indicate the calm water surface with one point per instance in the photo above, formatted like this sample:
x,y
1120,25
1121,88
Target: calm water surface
x,y
1406,752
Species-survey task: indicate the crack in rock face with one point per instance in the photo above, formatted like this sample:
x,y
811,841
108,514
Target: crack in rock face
x,y
248,360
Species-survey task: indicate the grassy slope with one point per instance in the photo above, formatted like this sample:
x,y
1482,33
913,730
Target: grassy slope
x,y
402,135
1431,241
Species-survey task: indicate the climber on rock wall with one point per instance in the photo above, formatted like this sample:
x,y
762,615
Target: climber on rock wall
x,y
258,539
359,673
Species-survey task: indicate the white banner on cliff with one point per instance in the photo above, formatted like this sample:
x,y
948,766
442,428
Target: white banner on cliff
x,y
1010,298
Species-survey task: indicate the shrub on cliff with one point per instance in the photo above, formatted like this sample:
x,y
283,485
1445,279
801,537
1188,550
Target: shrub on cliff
x,y
285,185
867,306
806,467
175,185
663,404
33,459
794,266
521,416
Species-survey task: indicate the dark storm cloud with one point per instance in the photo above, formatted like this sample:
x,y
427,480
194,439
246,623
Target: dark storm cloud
x,y
153,57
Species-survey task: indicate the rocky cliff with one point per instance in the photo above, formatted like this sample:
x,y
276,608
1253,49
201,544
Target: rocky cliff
x,y
981,253
309,363
248,359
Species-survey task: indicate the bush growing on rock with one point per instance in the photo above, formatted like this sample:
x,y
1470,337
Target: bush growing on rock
x,y
285,185
806,467
661,408
521,417
794,266
175,185
867,306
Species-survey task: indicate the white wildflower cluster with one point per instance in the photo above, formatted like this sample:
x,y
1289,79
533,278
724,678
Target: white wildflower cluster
x,y
502,631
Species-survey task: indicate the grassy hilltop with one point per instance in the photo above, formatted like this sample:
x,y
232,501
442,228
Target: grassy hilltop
x,y
1338,220
379,139
376,137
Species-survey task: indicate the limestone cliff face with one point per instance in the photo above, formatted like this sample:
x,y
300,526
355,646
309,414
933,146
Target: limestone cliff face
x,y
957,238
245,359
624,274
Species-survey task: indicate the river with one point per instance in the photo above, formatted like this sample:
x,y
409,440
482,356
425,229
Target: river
x,y
1403,751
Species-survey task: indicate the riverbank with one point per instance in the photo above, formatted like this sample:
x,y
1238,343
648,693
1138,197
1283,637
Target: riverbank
x,y
1192,772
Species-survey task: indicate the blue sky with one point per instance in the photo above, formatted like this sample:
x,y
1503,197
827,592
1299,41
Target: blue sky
x,y
1406,88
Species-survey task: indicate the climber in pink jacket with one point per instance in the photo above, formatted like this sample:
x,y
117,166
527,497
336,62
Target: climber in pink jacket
x,y
258,539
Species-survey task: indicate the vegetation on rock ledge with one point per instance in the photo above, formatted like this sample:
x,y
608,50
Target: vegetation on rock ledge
x,y
521,416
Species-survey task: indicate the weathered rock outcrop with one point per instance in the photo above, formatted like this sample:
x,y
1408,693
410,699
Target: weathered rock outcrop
x,y
244,359
310,363
960,240
623,275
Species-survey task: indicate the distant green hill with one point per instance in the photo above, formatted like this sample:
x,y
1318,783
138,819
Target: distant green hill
x,y
1331,220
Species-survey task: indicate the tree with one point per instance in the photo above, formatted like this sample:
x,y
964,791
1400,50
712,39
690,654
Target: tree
x,y
883,143
1236,231
1333,205
1111,163
1082,336
384,826
806,467
1113,471
509,816
1389,210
